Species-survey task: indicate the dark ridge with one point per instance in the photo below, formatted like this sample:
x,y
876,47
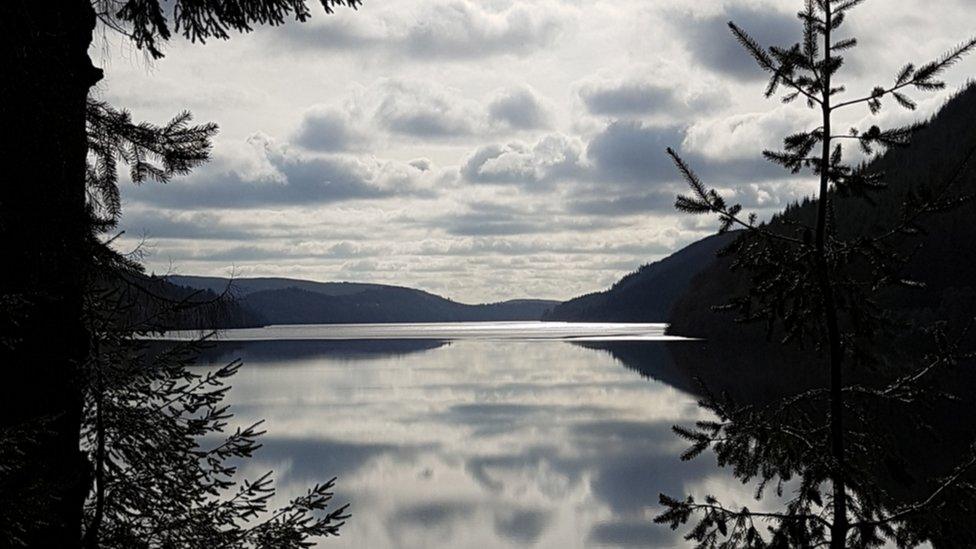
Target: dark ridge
x,y
291,301
647,294
943,257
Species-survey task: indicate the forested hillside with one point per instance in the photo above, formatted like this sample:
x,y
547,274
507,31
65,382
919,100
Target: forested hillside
x,y
647,294
174,306
941,250
290,301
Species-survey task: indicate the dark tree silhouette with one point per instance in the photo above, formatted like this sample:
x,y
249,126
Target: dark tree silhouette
x,y
45,221
165,469
819,288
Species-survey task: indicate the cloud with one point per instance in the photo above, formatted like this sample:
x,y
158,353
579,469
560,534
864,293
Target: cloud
x,y
633,533
460,82
478,224
625,169
520,217
552,158
328,129
437,31
492,219
520,108
431,515
744,136
420,109
629,153
265,174
712,44
635,97
633,152
658,200
157,223
628,98
522,526
462,29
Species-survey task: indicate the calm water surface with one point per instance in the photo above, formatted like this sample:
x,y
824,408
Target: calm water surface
x,y
475,435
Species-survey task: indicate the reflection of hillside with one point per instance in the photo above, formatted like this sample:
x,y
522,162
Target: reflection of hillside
x,y
693,367
917,452
283,350
651,360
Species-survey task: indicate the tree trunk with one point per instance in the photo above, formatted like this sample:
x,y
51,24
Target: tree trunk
x,y
43,230
839,524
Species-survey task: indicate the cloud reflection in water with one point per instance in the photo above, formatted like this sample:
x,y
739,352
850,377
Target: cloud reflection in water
x,y
473,443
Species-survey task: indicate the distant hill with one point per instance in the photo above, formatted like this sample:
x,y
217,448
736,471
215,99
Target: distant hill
x,y
943,256
292,301
157,303
647,294
240,287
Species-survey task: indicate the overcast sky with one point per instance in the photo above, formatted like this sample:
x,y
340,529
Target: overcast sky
x,y
483,150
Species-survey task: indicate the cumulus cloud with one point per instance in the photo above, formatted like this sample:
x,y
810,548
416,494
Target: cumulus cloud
x,y
520,108
493,219
633,152
431,31
744,136
465,29
417,108
328,129
267,174
628,98
421,109
658,200
624,167
477,224
161,223
553,157
636,97
711,43
422,164
516,148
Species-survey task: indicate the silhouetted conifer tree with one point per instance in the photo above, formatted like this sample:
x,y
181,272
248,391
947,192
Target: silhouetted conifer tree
x,y
46,224
817,288
165,469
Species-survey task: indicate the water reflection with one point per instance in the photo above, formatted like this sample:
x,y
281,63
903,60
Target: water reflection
x,y
901,450
276,351
477,443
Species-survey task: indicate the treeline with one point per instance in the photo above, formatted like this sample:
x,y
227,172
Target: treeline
x,y
940,248
647,294
289,301
171,306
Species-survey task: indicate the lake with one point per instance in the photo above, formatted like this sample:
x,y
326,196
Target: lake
x,y
475,435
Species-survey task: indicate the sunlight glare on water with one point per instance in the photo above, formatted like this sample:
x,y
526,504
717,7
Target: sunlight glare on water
x,y
515,330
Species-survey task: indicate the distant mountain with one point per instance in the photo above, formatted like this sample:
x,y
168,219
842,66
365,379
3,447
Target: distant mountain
x,y
292,301
240,287
647,294
156,302
943,255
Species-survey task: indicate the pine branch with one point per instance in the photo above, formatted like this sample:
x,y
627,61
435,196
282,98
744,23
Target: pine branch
x,y
922,78
707,200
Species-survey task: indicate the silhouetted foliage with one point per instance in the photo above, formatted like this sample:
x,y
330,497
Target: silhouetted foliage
x,y
165,468
148,25
940,252
822,290
61,201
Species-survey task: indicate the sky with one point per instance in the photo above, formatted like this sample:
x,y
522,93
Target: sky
x,y
485,150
